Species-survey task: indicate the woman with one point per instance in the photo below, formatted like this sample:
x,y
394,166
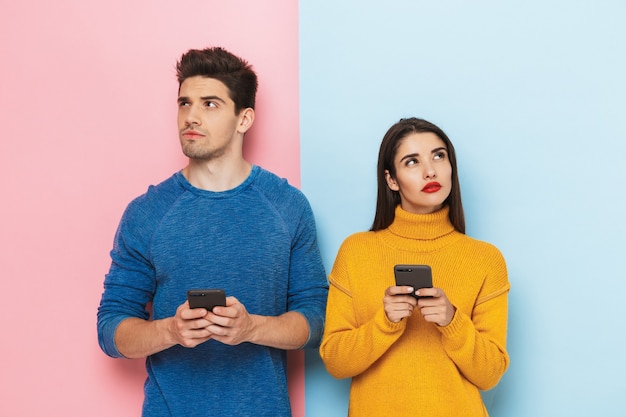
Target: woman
x,y
406,356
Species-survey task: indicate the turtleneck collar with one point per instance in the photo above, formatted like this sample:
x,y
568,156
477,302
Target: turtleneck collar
x,y
429,231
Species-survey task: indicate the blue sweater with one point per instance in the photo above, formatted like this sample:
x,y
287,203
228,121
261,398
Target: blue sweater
x,y
258,243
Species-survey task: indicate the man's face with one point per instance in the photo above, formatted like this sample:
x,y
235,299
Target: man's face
x,y
207,123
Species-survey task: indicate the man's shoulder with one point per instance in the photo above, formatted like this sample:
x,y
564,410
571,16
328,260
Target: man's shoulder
x,y
275,187
157,197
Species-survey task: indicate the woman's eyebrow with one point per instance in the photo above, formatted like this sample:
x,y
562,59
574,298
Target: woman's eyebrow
x,y
415,155
411,155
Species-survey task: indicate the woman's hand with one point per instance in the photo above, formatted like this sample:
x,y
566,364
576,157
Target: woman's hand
x,y
436,308
398,303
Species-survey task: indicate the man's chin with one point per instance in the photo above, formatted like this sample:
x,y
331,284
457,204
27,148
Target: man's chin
x,y
199,154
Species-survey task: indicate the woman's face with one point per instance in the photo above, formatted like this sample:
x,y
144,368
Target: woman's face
x,y
423,173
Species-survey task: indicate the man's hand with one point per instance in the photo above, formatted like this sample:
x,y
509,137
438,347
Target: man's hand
x,y
232,324
190,327
398,303
138,338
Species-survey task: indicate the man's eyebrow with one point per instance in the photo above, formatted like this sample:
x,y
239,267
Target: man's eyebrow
x,y
212,98
183,99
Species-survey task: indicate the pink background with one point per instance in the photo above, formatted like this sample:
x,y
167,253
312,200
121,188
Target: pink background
x,y
88,121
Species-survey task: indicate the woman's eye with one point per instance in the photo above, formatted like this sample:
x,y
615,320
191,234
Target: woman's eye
x,y
410,162
440,155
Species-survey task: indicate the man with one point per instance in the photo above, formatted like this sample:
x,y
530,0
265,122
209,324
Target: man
x,y
221,222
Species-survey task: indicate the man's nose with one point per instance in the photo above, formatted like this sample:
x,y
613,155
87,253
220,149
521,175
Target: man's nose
x,y
192,117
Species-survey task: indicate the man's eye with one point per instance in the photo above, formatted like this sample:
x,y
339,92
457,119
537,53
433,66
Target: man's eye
x,y
182,104
210,104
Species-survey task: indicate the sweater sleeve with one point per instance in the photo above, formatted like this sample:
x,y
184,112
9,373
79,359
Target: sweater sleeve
x,y
477,344
308,287
349,347
130,283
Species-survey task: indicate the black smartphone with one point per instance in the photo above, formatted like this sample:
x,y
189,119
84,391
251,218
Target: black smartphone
x,y
416,276
208,298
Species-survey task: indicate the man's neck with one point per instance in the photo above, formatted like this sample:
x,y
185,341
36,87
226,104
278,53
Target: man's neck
x,y
217,175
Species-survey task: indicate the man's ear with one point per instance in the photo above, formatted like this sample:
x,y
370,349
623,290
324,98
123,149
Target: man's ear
x,y
246,119
391,182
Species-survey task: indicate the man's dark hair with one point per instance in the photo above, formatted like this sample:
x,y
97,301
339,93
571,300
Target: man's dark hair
x,y
236,74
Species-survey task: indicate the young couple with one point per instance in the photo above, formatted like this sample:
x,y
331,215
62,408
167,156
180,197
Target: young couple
x,y
222,222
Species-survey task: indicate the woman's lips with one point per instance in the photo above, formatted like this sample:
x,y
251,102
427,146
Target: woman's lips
x,y
431,187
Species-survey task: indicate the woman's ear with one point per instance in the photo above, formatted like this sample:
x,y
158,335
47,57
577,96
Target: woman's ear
x,y
391,182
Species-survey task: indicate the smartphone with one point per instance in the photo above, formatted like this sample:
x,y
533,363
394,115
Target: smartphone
x,y
208,298
416,276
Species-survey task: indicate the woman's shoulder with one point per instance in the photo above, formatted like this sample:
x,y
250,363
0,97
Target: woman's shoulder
x,y
359,238
479,244
485,254
359,242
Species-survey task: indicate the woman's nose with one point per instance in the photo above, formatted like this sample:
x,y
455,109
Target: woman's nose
x,y
429,172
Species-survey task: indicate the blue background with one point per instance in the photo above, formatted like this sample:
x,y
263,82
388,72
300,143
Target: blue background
x,y
533,95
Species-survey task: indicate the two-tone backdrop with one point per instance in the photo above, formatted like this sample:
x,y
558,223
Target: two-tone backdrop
x,y
532,94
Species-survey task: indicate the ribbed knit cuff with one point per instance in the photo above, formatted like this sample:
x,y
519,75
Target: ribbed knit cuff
x,y
388,326
455,328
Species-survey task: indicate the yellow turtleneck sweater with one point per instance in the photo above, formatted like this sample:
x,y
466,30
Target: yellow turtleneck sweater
x,y
416,368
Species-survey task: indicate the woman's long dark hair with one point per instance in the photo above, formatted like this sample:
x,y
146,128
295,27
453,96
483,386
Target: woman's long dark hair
x,y
387,199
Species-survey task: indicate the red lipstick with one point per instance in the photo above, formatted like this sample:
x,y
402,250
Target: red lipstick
x,y
431,187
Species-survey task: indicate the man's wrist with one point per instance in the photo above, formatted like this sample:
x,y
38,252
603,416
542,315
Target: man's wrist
x,y
166,331
253,332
